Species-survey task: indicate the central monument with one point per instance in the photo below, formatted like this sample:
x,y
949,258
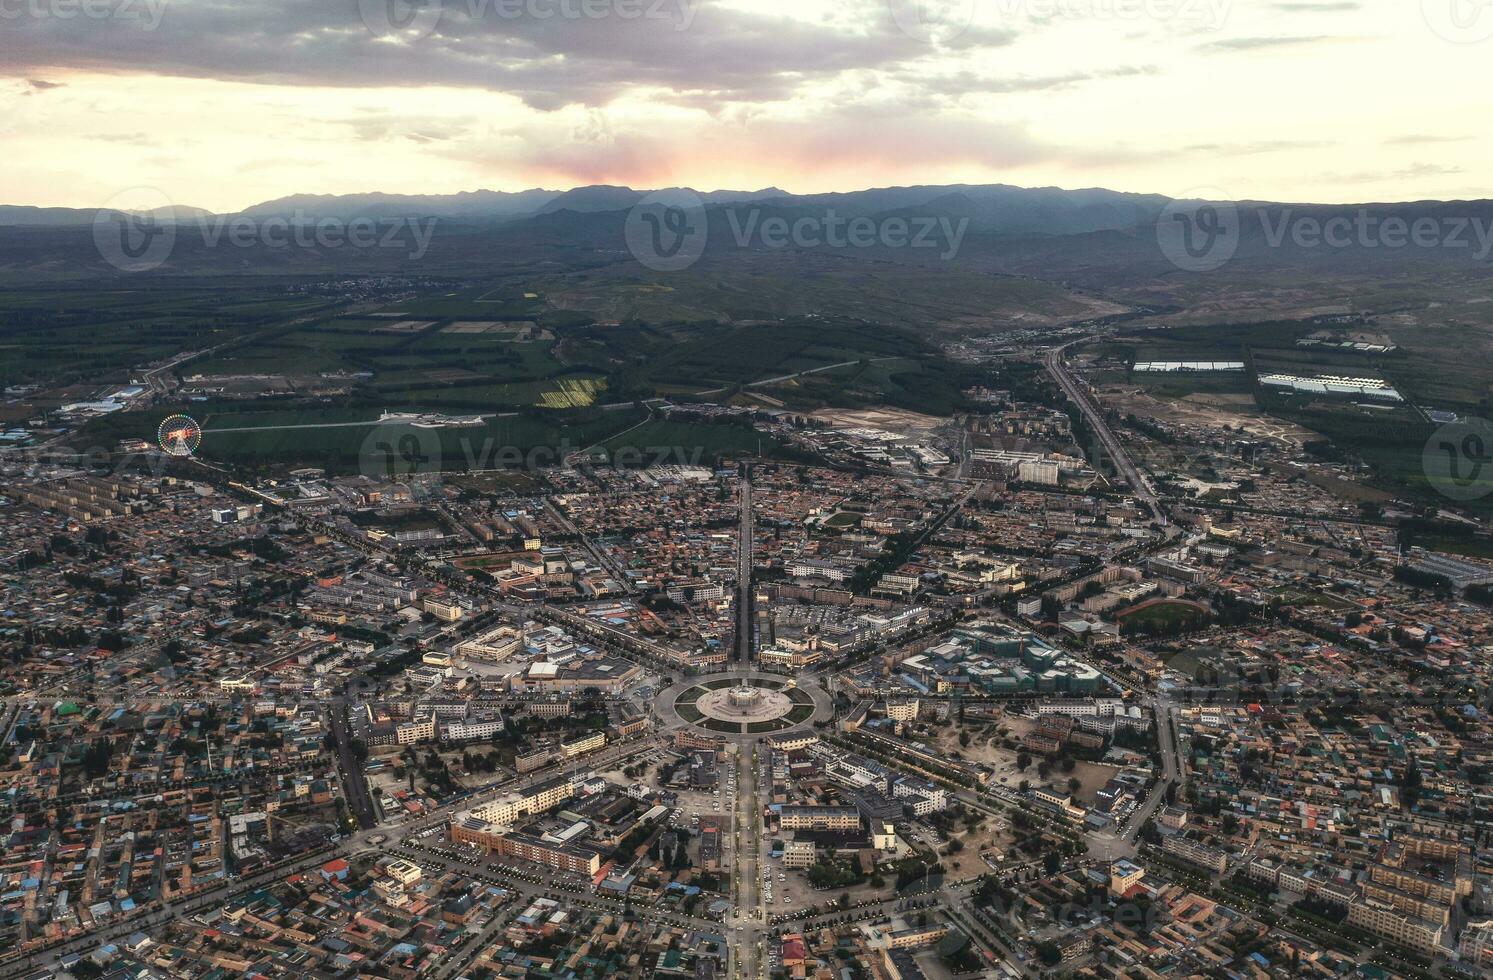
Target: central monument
x,y
745,696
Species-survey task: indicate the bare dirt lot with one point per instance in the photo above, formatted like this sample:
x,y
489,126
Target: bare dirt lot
x,y
1212,409
889,419
989,747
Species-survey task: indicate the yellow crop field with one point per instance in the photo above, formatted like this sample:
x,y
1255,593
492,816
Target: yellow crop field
x,y
573,393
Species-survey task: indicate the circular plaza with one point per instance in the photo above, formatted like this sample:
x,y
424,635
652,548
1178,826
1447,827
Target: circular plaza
x,y
744,704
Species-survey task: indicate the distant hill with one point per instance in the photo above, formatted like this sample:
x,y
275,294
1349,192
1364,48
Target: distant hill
x,y
990,207
469,205
1089,238
25,215
993,209
608,197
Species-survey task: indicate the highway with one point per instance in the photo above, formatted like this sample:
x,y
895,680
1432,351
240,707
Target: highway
x,y
748,928
1057,366
1171,766
744,572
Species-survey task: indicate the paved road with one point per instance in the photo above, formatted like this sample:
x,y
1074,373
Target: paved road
x,y
602,558
454,962
1171,766
350,768
748,927
1057,366
744,573
797,374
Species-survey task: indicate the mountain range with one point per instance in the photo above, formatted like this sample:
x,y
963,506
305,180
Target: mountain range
x,y
1091,238
990,207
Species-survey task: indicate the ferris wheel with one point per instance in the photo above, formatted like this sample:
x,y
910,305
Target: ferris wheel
x,y
179,435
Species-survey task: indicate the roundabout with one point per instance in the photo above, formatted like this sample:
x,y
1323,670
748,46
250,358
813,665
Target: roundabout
x,y
744,704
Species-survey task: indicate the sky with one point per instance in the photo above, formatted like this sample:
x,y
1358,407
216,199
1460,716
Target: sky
x,y
224,103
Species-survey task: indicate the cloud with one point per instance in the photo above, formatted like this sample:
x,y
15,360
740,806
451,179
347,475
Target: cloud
x,y
1419,139
971,83
1346,6
1251,149
1418,171
36,86
1262,43
542,55
874,139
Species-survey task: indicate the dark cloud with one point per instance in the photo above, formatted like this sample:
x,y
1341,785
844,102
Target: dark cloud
x,y
685,46
971,83
1262,43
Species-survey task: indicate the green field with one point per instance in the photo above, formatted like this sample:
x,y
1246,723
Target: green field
x,y
75,334
344,440
1436,368
695,443
1161,616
